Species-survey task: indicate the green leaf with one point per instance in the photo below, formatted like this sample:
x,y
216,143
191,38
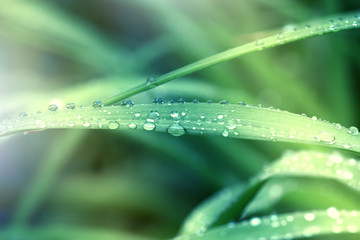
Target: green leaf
x,y
229,204
228,120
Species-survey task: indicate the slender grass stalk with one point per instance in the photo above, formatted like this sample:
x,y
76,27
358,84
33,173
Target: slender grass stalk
x,y
324,26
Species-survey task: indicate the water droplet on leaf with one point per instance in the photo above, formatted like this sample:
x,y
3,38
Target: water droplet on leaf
x,y
325,137
22,114
98,104
149,126
127,103
70,106
353,130
113,125
52,107
150,80
176,130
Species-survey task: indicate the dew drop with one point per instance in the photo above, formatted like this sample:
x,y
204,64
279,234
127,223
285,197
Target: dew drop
x,y
127,103
86,124
98,104
325,137
309,217
242,103
332,212
70,106
225,133
255,221
280,37
174,114
153,116
172,101
22,114
132,126
195,101
150,80
52,107
149,126
353,130
137,114
181,100
347,145
113,125
231,125
307,26
337,125
158,101
224,102
176,130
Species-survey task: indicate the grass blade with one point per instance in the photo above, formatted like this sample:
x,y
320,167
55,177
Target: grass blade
x,y
324,26
229,203
228,120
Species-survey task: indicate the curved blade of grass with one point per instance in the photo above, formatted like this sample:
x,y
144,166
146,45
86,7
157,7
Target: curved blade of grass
x,y
286,226
314,28
228,120
228,204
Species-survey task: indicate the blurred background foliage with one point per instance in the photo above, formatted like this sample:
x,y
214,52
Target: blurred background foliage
x,y
137,185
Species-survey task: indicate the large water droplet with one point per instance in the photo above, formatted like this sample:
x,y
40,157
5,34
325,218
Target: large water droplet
x,y
149,126
176,130
353,130
325,137
52,107
113,125
70,106
98,104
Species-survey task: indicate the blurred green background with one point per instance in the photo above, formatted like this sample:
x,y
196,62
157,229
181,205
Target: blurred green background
x,y
138,185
